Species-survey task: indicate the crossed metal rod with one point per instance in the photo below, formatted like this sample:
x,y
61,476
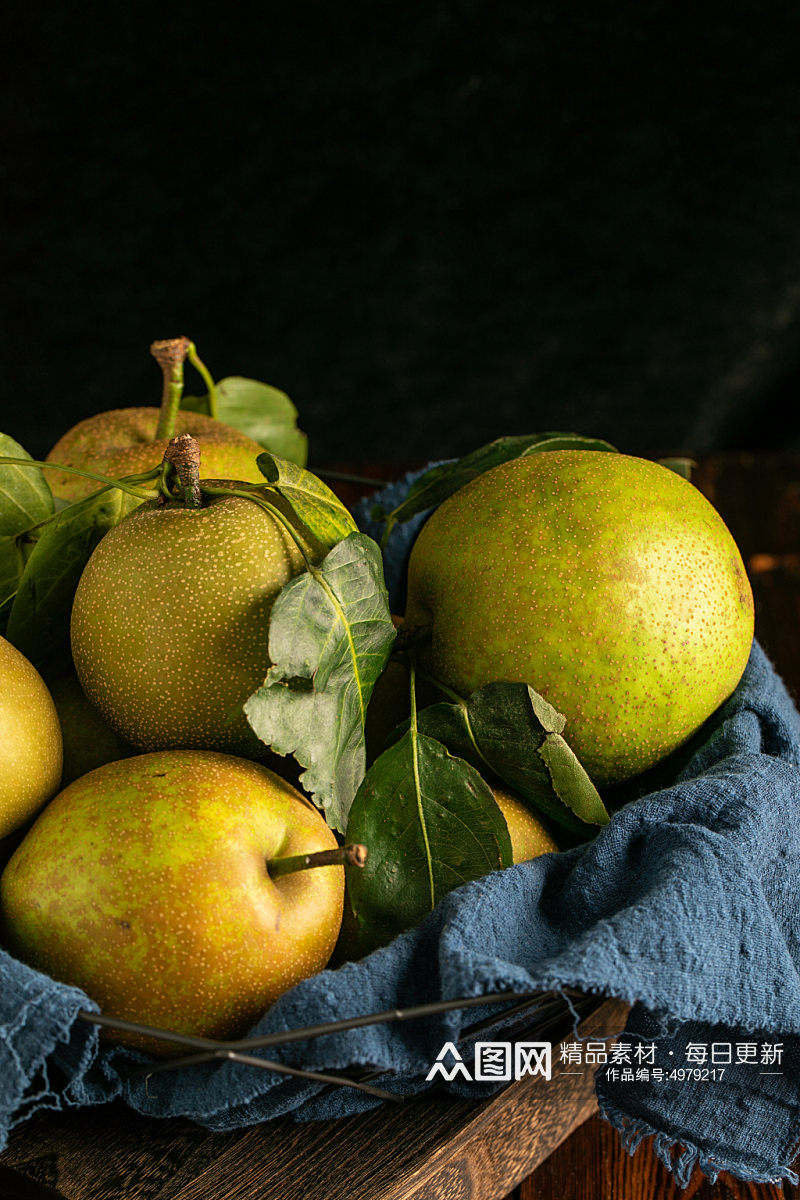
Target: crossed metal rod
x,y
209,1049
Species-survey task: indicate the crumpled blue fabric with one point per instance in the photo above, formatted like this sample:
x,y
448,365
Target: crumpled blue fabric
x,y
686,906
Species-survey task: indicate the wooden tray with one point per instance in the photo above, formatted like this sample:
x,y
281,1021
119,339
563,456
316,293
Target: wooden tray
x,y
433,1147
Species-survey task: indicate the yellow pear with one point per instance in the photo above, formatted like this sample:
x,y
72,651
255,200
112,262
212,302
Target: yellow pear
x,y
154,884
30,740
529,837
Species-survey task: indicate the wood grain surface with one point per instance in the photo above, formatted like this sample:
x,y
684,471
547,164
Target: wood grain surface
x,y
592,1165
435,1147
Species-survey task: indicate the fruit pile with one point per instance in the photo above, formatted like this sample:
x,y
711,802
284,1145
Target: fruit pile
x,y
260,765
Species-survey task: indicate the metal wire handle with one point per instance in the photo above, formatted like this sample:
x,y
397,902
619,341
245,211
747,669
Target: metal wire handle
x,y
240,1050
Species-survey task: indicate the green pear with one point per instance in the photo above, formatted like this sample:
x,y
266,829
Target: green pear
x,y
154,885
170,621
606,582
30,740
123,442
88,740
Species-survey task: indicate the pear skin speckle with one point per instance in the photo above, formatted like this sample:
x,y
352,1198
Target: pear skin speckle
x,y
123,441
31,748
145,884
170,622
529,837
607,582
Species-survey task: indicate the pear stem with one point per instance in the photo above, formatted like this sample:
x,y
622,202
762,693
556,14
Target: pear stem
x,y
170,355
412,692
126,484
347,477
447,691
411,636
183,453
203,371
354,855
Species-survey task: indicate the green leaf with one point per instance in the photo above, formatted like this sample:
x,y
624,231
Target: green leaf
x,y
25,497
264,413
311,500
14,553
430,823
441,482
330,636
196,404
25,502
38,624
681,466
515,733
12,564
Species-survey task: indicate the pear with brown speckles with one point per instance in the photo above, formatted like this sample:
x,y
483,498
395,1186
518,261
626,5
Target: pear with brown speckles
x,y
607,582
147,884
170,622
123,442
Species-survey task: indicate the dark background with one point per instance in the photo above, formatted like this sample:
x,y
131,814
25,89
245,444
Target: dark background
x,y
430,224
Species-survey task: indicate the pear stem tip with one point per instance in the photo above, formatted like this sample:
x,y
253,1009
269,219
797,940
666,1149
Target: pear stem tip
x,y
354,855
183,453
170,354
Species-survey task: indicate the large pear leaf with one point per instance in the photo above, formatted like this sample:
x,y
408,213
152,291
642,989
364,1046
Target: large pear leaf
x,y
442,481
430,823
311,500
330,636
264,413
25,502
25,497
513,731
38,624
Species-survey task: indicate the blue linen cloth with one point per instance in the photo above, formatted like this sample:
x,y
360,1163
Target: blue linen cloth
x,y
685,905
